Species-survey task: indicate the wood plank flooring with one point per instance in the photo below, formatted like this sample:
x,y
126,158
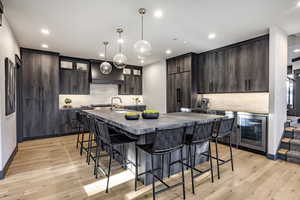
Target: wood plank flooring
x,y
52,169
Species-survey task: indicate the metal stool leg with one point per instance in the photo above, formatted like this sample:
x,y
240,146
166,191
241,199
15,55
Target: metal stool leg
x,y
109,169
217,154
136,168
191,164
88,157
153,178
182,171
81,143
78,134
211,164
230,146
170,160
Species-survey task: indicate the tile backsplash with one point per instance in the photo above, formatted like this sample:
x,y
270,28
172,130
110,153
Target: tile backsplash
x,y
99,94
247,102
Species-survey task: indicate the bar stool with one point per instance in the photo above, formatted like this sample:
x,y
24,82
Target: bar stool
x,y
109,141
202,134
166,140
224,129
91,138
83,126
80,126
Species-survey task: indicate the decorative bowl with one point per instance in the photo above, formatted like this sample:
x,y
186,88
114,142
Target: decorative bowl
x,y
150,114
132,116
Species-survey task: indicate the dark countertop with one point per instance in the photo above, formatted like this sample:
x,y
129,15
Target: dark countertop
x,y
144,126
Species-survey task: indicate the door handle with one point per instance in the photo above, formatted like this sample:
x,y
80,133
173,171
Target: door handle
x,y
249,84
178,95
246,85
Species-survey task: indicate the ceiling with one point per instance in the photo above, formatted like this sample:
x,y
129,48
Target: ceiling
x,y
79,27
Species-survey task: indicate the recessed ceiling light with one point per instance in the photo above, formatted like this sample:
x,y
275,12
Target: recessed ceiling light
x,y
158,13
296,50
212,36
184,42
168,51
298,4
45,46
101,55
121,40
45,31
142,61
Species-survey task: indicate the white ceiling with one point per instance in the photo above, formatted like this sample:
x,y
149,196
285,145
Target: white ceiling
x,y
78,27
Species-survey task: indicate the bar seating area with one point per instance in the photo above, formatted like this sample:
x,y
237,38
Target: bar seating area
x,y
105,140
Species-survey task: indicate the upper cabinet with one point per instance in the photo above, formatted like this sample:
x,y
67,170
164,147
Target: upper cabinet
x,y
74,76
179,64
133,81
242,67
181,71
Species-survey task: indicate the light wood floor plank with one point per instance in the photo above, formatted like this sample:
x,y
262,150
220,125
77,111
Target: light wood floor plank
x,y
52,169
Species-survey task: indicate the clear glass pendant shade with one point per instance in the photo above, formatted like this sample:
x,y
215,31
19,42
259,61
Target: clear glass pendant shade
x,y
120,60
105,68
142,48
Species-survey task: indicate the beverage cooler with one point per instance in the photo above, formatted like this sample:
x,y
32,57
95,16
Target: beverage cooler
x,y
253,131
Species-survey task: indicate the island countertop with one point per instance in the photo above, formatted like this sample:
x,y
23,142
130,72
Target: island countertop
x,y
144,126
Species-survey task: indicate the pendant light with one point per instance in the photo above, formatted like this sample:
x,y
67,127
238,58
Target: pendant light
x,y
105,67
142,47
120,59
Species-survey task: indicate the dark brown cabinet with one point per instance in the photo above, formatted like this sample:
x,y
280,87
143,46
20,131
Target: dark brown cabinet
x,y
74,76
179,64
133,81
242,67
40,91
179,82
74,82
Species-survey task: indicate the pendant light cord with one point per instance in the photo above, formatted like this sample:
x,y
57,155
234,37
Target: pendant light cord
x,y
142,27
105,52
120,45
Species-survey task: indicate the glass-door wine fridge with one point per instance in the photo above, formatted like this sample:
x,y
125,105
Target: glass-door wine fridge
x,y
253,131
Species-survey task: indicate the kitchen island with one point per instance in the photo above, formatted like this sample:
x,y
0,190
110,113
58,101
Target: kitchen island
x,y
143,130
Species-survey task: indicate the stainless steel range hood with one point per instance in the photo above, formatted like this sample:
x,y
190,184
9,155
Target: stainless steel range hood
x,y
115,77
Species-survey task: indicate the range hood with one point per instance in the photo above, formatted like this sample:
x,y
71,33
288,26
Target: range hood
x,y
115,77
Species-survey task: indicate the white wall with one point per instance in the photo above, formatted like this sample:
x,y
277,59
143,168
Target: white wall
x,y
8,48
154,86
277,87
99,94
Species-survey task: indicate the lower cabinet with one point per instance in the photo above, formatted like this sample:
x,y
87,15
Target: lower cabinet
x,y
67,122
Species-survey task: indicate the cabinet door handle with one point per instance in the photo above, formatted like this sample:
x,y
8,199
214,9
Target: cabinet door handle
x,y
178,94
249,84
246,85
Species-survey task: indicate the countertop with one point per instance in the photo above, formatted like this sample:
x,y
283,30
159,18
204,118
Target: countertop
x,y
144,126
92,107
232,110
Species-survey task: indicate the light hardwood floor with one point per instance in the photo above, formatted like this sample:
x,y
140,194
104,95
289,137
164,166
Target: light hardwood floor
x,y
52,169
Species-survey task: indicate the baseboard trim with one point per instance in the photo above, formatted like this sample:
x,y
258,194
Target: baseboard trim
x,y
271,156
4,171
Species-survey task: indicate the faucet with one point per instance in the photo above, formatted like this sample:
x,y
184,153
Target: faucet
x,y
112,101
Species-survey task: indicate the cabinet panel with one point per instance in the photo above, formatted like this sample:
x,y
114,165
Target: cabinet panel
x,y
243,67
132,84
50,91
40,90
74,82
172,66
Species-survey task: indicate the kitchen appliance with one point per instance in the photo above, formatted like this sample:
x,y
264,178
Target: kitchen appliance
x,y
253,131
203,105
